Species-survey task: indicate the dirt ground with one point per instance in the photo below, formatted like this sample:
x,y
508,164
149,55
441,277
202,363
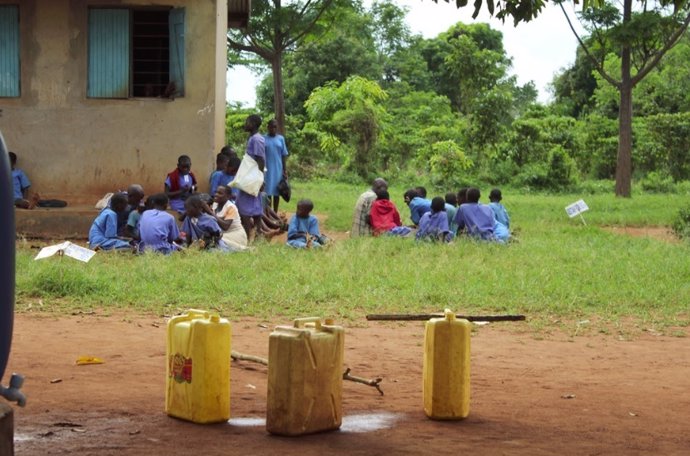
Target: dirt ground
x,y
532,394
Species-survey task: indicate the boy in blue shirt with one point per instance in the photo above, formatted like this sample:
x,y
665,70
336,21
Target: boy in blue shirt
x,y
418,205
21,184
499,210
303,229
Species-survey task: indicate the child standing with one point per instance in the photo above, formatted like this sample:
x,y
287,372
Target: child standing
x,y
250,206
303,229
276,157
180,183
157,228
434,224
103,232
385,218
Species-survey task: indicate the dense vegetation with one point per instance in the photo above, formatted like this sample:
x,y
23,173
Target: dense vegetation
x,y
365,97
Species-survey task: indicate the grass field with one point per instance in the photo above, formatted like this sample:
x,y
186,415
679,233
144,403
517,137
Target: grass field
x,y
559,270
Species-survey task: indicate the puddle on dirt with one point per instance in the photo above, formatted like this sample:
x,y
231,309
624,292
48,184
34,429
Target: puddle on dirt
x,y
247,422
366,422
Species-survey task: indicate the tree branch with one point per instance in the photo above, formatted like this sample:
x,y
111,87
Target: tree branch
x,y
326,4
673,39
599,67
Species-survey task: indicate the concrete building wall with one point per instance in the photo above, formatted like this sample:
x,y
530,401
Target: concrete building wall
x,y
76,148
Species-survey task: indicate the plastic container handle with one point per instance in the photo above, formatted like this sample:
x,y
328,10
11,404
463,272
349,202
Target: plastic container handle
x,y
197,313
449,314
299,322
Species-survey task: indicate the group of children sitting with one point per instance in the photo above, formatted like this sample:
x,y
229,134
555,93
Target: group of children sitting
x,y
441,219
130,223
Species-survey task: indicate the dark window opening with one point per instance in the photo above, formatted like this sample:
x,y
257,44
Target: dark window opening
x,y
150,53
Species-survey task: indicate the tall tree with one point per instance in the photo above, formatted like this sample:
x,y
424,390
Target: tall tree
x,y
275,28
640,37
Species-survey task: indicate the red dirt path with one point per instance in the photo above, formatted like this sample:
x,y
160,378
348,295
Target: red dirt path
x,y
589,395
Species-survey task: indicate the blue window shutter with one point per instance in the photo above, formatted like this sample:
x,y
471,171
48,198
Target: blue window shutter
x,y
109,53
176,25
9,51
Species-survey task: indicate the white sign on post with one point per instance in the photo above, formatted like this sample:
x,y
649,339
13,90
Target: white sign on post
x,y
577,208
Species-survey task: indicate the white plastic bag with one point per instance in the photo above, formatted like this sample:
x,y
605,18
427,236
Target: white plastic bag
x,y
104,202
249,177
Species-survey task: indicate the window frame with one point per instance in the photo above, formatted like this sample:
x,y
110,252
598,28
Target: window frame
x,y
11,61
176,44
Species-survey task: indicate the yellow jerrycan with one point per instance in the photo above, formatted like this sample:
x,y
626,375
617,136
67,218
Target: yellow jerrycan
x,y
446,368
305,378
198,367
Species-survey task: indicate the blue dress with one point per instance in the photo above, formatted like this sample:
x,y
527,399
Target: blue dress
x,y
103,232
248,205
275,151
434,226
158,230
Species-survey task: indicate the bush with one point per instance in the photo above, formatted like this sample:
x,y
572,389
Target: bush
x,y
447,161
558,173
656,182
681,225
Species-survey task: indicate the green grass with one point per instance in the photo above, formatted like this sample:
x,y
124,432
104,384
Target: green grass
x,y
559,270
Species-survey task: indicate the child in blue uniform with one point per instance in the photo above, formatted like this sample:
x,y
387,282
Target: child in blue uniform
x,y
158,229
103,232
303,229
433,225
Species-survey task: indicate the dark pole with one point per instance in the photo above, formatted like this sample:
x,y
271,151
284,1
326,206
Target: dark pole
x,y
7,253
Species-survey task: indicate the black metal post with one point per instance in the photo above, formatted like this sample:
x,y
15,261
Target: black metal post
x,y
7,257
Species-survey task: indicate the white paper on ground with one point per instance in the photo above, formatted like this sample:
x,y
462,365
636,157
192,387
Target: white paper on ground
x,y
68,249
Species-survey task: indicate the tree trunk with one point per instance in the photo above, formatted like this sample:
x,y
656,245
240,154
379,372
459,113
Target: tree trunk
x,y
278,96
624,162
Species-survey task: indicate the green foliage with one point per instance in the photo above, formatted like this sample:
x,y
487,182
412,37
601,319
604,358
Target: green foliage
x,y
681,224
349,114
235,136
558,172
447,162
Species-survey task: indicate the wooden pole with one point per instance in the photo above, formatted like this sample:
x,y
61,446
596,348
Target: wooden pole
x,y
424,317
237,356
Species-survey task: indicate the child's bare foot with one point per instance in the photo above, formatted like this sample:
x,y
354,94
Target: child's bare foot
x,y
35,198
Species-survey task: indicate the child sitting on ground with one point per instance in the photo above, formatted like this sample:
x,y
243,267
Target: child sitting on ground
x,y
417,204
303,229
479,220
499,210
433,225
103,232
451,210
158,229
228,219
21,184
180,183
385,218
201,225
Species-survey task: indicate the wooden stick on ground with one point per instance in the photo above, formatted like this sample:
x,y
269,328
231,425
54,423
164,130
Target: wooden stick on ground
x,y
424,317
237,356
365,381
